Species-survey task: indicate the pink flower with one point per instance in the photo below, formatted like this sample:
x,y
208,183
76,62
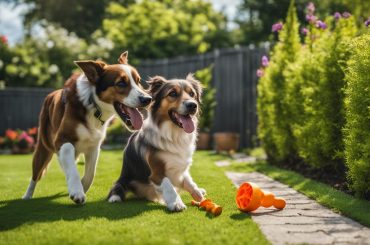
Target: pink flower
x,y
310,8
265,61
320,24
260,73
304,31
346,15
26,137
311,18
367,22
337,16
277,27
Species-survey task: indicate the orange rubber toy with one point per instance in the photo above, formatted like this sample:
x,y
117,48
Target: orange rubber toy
x,y
209,206
250,197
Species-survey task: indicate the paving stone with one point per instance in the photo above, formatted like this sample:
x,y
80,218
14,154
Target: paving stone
x,y
303,221
222,163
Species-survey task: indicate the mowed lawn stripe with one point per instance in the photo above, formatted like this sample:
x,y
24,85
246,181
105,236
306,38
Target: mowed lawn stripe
x,y
52,218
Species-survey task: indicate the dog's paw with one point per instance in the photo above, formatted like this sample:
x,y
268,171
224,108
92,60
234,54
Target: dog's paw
x,y
176,206
198,194
78,197
114,198
76,192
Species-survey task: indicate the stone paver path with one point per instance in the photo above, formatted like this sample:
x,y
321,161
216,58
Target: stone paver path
x,y
303,221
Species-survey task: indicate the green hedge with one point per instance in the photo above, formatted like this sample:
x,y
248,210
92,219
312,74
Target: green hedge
x,y
314,99
273,129
315,94
357,114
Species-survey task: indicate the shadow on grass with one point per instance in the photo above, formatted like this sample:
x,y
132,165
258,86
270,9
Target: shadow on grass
x,y
17,212
240,216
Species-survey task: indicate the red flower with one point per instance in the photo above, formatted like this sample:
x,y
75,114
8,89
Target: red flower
x,y
11,134
4,39
32,131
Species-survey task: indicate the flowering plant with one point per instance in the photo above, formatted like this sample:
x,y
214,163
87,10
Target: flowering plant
x,y
24,140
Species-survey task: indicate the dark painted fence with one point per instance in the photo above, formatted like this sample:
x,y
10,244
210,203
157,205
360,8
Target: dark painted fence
x,y
234,77
20,107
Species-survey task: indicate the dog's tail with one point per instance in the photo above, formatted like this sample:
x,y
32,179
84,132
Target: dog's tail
x,y
117,193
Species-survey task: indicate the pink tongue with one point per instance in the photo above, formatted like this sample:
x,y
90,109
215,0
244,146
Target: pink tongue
x,y
135,116
187,124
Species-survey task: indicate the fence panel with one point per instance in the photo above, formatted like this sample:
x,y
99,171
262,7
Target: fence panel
x,y
20,107
234,77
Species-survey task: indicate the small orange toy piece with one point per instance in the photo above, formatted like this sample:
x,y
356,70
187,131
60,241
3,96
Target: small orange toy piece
x,y
249,197
209,206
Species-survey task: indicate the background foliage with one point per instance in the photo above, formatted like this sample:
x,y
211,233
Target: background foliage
x,y
357,114
302,94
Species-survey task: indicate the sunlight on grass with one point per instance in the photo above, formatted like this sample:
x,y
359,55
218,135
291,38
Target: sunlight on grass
x,y
51,217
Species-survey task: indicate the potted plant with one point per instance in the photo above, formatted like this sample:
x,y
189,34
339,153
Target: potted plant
x,y
24,144
207,107
226,141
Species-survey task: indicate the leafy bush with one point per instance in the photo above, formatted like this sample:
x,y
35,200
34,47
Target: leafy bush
x,y
47,60
315,94
273,129
208,98
160,29
357,113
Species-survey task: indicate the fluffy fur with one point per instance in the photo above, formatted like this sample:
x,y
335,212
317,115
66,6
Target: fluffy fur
x,y
74,120
158,157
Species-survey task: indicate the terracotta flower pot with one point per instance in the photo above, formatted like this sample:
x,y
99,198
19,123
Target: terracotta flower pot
x,y
203,141
226,141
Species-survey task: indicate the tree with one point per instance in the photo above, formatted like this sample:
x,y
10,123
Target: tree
x,y
82,17
158,29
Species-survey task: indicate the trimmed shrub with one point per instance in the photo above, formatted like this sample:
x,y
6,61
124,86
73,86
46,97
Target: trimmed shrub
x,y
357,114
273,129
315,94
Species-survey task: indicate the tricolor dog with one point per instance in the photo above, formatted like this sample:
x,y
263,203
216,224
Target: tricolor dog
x,y
158,157
74,120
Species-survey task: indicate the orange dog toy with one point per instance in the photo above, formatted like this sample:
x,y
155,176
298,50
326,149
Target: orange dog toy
x,y
209,206
250,197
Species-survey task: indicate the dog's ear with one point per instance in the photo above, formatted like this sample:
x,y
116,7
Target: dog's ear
x,y
196,85
92,69
123,58
155,83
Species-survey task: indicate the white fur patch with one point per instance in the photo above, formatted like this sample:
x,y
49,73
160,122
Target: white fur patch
x,y
30,190
66,158
172,199
132,100
114,198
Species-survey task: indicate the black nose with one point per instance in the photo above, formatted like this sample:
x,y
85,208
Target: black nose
x,y
145,100
191,106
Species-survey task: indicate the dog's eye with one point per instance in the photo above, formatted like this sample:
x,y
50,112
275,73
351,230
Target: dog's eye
x,y
191,94
121,84
173,94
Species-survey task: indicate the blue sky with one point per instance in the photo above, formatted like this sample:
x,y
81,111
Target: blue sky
x,y
11,18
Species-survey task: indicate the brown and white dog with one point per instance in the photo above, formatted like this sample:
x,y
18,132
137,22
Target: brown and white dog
x,y
74,120
158,157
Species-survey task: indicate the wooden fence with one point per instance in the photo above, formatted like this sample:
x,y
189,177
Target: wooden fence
x,y
234,77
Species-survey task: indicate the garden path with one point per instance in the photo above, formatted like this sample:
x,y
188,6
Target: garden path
x,y
303,221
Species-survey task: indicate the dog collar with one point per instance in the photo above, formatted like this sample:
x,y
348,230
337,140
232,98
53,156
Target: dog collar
x,y
98,113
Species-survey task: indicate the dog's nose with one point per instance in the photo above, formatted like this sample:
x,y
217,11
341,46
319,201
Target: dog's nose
x,y
191,106
145,100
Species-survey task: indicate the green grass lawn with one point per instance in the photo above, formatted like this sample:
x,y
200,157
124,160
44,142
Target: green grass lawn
x,y
52,218
340,202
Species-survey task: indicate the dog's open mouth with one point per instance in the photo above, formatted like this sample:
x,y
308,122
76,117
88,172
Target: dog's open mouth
x,y
130,116
183,121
